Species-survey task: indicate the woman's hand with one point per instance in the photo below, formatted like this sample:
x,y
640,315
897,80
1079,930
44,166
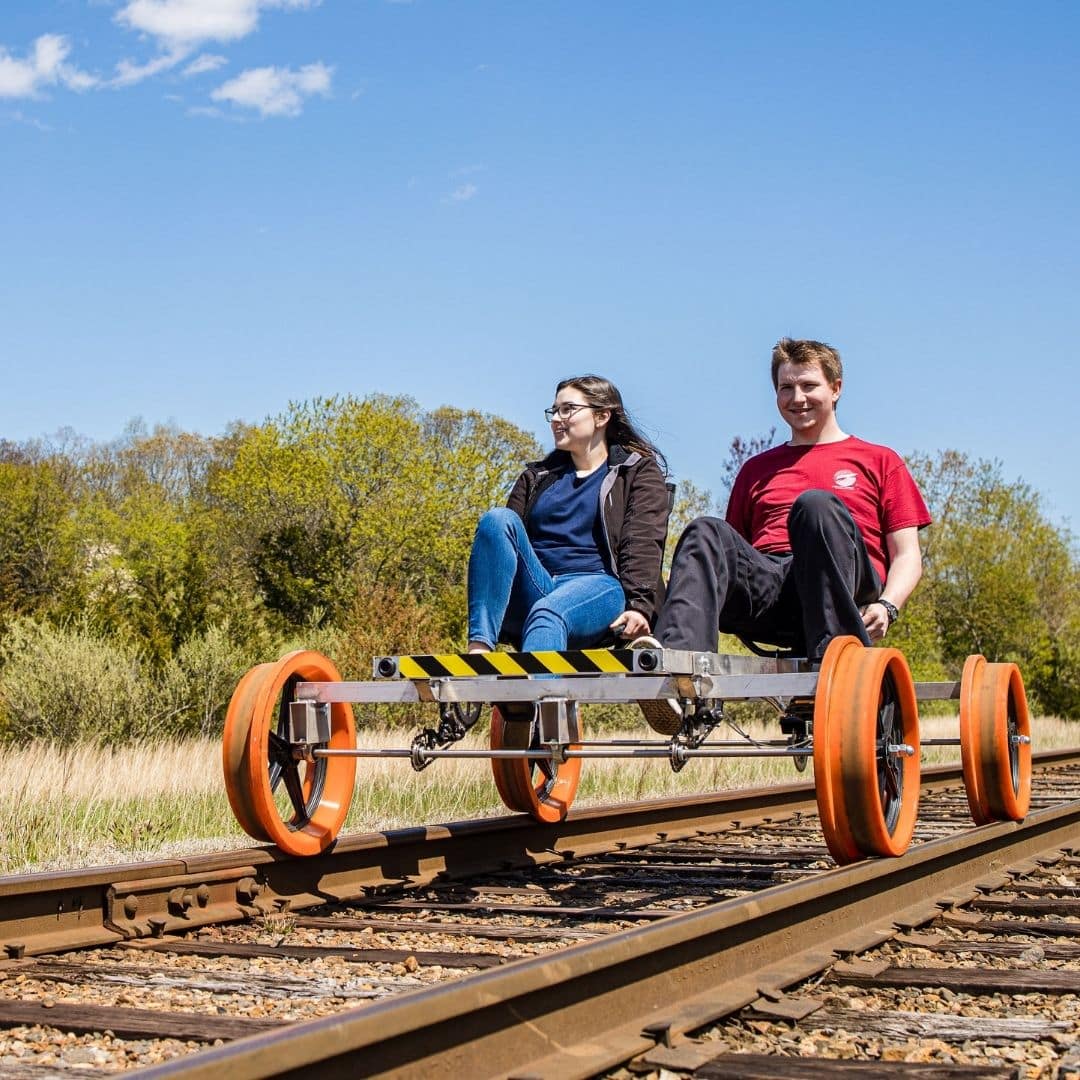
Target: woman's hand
x,y
631,624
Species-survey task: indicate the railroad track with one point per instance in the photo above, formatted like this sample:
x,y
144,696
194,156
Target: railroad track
x,y
513,948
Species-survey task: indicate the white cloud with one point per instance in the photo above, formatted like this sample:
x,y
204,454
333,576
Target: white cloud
x,y
31,121
185,24
128,73
206,62
276,91
463,193
74,79
180,27
45,66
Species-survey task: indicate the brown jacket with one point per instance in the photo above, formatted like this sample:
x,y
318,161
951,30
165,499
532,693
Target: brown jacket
x,y
635,500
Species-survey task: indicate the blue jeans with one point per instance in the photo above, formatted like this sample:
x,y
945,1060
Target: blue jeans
x,y
512,597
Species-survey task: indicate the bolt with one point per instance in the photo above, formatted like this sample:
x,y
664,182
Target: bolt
x,y
247,889
179,901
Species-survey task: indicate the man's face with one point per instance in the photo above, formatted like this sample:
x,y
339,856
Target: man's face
x,y
805,398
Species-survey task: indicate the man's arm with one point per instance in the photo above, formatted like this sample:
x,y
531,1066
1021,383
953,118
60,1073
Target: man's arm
x,y
905,569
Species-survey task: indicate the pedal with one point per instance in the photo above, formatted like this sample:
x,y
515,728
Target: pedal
x,y
699,725
797,724
455,720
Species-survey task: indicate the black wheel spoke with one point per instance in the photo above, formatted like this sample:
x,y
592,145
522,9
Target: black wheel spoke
x,y
545,766
279,749
890,767
279,753
1012,730
886,721
291,775
548,768
892,780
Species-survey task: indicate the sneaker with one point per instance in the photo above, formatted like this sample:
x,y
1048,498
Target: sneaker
x,y
662,714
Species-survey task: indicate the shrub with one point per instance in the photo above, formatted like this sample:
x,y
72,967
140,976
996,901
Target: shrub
x,y
193,691
71,683
66,684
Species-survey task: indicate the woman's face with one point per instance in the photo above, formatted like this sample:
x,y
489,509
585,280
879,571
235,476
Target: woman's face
x,y
582,427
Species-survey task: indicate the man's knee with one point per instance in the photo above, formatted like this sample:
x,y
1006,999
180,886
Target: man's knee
x,y
815,506
709,533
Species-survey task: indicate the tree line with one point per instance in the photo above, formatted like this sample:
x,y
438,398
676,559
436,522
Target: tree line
x,y
140,577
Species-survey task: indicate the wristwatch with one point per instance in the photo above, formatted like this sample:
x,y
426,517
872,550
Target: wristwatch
x,y
890,609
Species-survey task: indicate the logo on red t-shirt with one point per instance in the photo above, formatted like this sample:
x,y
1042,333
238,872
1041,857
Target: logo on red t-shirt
x,y
843,478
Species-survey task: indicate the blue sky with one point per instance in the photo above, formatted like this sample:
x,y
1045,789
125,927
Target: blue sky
x,y
213,207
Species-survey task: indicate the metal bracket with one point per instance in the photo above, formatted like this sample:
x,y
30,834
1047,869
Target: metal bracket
x,y
309,722
558,722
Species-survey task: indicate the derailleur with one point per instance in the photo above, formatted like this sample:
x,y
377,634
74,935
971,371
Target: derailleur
x,y
455,719
797,723
696,728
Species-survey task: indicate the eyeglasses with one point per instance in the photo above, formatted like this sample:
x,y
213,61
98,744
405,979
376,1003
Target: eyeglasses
x,y
565,410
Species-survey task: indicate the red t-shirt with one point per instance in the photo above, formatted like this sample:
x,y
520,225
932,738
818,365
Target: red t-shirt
x,y
873,482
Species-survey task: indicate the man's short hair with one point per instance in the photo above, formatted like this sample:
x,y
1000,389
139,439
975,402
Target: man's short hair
x,y
800,351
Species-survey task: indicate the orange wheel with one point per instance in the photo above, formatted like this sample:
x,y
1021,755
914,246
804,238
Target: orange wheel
x,y
298,805
995,747
867,795
508,734
235,750
541,788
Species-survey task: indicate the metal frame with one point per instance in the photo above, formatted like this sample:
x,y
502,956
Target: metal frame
x,y
655,673
698,679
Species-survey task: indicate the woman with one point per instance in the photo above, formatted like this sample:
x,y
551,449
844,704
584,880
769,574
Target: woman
x,y
576,554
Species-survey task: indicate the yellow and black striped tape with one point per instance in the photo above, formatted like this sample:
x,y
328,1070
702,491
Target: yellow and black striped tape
x,y
580,662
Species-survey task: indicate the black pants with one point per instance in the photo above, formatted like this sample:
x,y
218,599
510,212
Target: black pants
x,y
802,600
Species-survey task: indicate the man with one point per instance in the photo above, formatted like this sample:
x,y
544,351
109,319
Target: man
x,y
821,536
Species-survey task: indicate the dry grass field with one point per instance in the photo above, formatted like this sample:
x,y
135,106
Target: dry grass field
x,y
85,805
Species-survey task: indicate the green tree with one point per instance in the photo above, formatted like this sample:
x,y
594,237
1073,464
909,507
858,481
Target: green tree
x,y
39,550
340,493
146,566
1000,578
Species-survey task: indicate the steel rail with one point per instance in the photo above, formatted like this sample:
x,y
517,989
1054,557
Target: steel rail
x,y
75,909
57,911
597,1004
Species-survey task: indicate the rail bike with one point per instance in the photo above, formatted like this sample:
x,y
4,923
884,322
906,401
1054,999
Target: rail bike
x,y
290,750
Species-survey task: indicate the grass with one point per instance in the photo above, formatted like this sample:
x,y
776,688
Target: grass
x,y
84,805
